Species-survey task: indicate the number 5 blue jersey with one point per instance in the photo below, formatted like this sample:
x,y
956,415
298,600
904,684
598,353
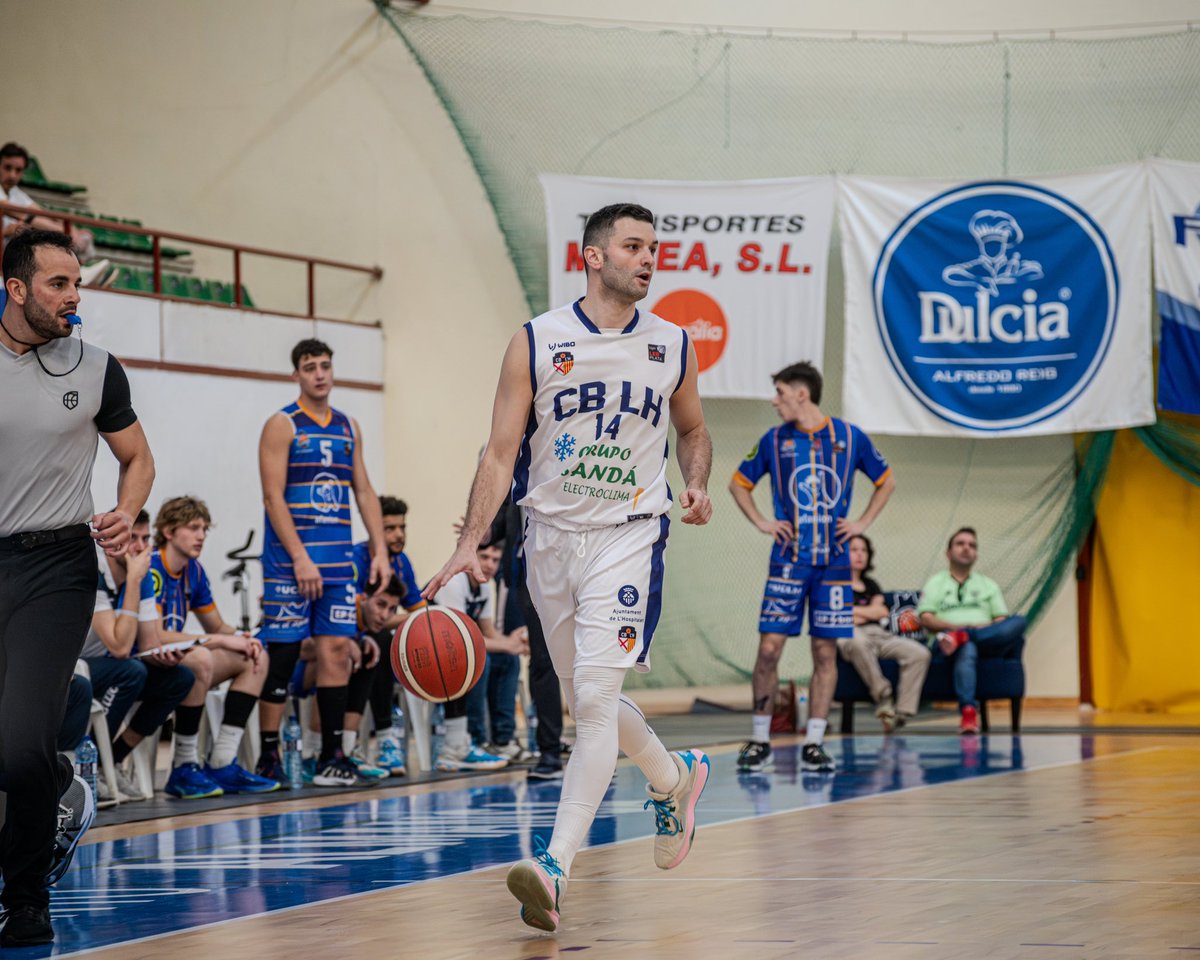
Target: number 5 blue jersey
x,y
319,474
812,481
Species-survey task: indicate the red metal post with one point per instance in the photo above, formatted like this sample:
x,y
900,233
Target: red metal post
x,y
237,278
157,240
312,295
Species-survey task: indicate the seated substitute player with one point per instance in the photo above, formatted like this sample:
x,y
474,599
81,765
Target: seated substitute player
x,y
811,459
478,602
222,653
873,641
118,678
375,611
383,686
310,458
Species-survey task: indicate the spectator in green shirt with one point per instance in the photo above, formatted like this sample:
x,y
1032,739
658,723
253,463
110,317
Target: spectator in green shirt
x,y
966,612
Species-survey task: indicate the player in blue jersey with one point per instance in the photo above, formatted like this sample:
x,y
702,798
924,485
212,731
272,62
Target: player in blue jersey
x,y
811,460
221,653
310,460
390,756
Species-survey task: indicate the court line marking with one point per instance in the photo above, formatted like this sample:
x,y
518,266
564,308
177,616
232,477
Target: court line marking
x,y
617,843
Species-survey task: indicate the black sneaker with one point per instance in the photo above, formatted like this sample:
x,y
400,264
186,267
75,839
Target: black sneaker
x,y
754,757
547,768
813,757
336,772
76,811
27,926
270,766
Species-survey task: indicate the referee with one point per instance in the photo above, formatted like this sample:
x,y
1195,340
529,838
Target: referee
x,y
57,394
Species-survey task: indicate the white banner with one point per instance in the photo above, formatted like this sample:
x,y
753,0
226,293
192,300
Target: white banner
x,y
742,266
1175,190
997,308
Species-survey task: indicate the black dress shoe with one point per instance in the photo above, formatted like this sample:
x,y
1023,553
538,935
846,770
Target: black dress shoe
x,y
27,926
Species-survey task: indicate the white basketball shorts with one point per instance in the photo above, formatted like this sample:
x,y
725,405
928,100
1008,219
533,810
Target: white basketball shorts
x,y
598,593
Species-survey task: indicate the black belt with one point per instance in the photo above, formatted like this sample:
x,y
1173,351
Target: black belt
x,y
42,538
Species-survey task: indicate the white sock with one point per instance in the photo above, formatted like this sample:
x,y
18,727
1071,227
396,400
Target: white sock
x,y
815,732
593,697
186,749
224,751
349,741
457,738
386,733
640,744
312,743
761,731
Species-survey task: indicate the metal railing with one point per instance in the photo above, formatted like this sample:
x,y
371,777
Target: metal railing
x,y
237,249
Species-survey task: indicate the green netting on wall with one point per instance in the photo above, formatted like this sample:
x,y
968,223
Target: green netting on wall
x,y
530,97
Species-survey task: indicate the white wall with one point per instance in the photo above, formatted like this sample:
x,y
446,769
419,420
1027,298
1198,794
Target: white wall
x,y
203,429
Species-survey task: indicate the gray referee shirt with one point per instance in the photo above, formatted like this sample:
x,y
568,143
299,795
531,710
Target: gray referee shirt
x,y
49,428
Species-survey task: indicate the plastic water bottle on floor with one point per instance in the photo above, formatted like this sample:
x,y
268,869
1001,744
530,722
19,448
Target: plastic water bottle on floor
x,y
85,763
531,726
437,731
399,730
801,708
291,738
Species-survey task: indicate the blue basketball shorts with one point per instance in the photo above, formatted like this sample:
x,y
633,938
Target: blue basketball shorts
x,y
290,618
826,590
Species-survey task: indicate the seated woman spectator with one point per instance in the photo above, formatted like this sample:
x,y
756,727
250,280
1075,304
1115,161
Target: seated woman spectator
x,y
873,641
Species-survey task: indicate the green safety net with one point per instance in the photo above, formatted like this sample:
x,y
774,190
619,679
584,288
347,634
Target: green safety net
x,y
530,97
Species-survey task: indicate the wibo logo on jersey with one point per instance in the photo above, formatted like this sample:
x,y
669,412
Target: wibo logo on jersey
x,y
996,303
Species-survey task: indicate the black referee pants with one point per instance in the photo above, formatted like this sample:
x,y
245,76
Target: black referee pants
x,y
47,595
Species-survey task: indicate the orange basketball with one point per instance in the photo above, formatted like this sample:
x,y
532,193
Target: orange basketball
x,y
438,654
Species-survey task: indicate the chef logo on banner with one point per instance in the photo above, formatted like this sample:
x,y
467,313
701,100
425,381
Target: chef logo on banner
x,y
996,303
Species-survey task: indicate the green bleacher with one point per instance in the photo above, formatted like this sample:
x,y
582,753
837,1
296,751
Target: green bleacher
x,y
178,285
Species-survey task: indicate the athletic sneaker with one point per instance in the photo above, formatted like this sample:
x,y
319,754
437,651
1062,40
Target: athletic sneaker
x,y
236,779
391,758
189,782
539,884
547,768
814,758
512,751
27,926
270,766
76,811
308,769
366,770
474,758
675,812
754,757
970,721
337,772
126,788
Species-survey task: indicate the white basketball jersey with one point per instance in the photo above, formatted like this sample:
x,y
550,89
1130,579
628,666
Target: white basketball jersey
x,y
595,449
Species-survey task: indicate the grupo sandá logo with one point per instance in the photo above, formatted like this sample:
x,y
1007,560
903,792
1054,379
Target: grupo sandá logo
x,y
996,303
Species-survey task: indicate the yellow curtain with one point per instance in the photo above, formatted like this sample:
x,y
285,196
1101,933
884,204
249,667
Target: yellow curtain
x,y
1146,586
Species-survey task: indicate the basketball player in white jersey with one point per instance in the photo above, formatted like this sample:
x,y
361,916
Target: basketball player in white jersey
x,y
579,426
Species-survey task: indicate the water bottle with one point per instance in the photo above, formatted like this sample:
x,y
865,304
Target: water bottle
x,y
801,708
438,731
85,763
531,726
292,737
399,732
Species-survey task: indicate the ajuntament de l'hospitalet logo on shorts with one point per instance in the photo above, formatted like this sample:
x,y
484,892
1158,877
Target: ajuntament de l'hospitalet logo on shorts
x,y
996,303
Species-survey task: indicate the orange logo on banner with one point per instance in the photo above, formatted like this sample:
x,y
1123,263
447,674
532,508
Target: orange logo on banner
x,y
703,319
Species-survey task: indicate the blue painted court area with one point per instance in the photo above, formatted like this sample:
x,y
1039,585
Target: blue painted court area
x,y
125,890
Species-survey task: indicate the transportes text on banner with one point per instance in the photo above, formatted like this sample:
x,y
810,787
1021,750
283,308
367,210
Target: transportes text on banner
x,y
741,265
997,308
